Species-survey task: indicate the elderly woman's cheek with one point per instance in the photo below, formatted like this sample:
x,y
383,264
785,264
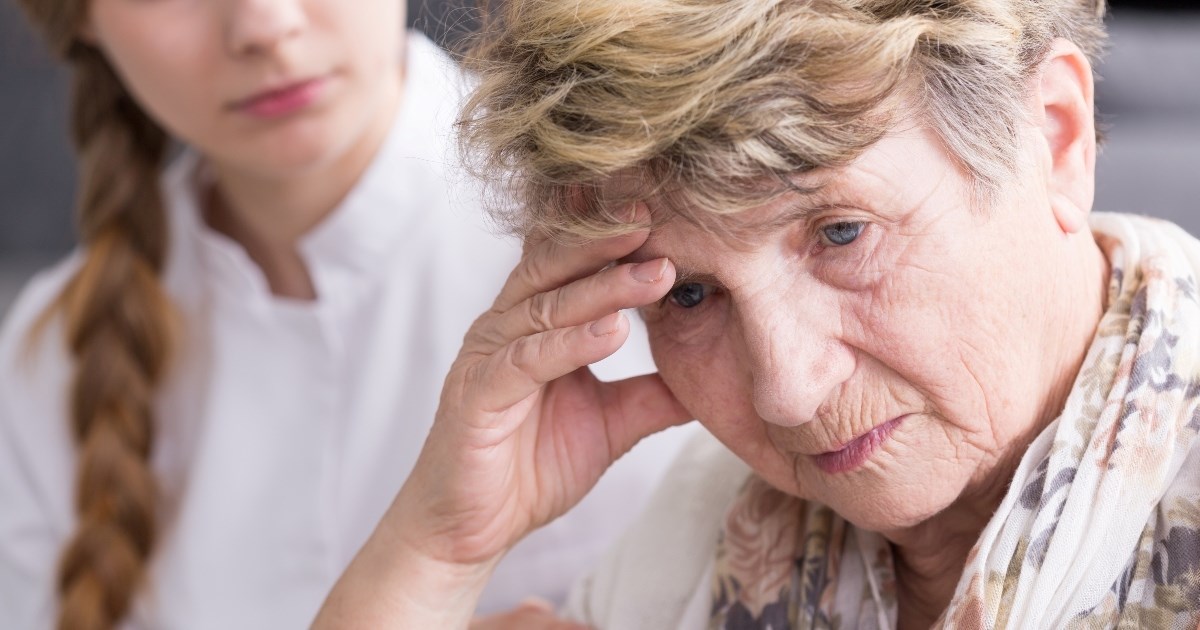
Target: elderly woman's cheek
x,y
685,354
857,266
681,330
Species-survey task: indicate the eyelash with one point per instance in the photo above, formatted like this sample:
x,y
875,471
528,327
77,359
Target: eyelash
x,y
711,292
667,303
825,241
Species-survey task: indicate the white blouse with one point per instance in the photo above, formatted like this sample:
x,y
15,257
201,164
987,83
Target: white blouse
x,y
285,427
659,575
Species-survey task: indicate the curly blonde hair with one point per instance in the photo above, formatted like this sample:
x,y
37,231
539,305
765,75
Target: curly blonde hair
x,y
714,106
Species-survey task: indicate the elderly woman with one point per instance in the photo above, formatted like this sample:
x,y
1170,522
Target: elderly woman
x,y
859,234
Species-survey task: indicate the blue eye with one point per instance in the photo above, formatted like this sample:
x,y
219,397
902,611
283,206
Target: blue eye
x,y
844,233
688,294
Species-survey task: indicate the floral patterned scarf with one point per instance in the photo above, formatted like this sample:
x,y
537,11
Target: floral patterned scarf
x,y
1101,525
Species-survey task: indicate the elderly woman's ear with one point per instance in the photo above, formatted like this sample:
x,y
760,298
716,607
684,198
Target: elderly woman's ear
x,y
1064,112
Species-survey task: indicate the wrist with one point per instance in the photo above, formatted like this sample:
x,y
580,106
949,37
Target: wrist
x,y
393,583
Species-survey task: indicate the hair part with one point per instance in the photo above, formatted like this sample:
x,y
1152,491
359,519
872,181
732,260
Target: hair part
x,y
713,107
119,326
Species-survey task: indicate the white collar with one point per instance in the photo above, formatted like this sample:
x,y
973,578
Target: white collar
x,y
416,163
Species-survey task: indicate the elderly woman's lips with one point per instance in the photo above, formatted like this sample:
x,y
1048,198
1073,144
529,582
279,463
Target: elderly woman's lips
x,y
858,451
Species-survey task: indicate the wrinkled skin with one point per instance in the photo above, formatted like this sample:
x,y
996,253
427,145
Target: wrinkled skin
x,y
887,298
890,298
933,313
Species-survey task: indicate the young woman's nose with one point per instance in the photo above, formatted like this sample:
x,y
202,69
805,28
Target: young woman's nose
x,y
796,361
255,27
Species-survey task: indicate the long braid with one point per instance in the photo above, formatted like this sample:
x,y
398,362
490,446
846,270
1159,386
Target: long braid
x,y
119,328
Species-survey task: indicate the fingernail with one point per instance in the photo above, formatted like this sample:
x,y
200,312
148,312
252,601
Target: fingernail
x,y
651,271
606,325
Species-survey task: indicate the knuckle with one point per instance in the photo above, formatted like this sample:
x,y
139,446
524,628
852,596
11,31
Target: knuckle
x,y
483,340
470,381
458,389
556,345
533,270
486,318
542,311
523,354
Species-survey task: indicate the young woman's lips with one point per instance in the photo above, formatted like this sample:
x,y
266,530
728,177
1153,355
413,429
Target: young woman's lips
x,y
858,451
283,101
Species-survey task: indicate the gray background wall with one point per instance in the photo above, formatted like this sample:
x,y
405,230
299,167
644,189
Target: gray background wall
x,y
1149,99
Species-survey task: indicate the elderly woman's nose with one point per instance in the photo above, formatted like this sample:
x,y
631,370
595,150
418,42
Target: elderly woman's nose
x,y
260,26
796,366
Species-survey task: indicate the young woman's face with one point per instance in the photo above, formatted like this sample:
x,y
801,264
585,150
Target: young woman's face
x,y
270,86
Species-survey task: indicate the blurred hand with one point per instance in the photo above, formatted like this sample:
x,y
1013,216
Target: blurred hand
x,y
524,430
529,615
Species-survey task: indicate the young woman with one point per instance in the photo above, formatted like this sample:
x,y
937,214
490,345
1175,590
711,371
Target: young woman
x,y
205,411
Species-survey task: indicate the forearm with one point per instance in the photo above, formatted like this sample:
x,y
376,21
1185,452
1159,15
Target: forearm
x,y
389,585
521,435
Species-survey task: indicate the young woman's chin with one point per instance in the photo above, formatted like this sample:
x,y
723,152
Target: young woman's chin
x,y
292,147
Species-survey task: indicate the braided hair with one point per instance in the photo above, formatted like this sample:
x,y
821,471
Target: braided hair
x,y
118,327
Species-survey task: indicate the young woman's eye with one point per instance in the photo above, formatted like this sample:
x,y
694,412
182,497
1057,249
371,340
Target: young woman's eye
x,y
843,233
688,294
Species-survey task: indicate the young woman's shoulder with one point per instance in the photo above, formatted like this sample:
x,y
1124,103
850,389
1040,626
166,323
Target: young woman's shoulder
x,y
36,464
35,369
22,335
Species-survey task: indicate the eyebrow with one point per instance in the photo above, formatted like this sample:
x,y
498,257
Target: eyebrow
x,y
689,276
794,211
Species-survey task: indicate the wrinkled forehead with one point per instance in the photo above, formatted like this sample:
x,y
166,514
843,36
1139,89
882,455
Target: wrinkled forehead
x,y
698,240
892,176
767,204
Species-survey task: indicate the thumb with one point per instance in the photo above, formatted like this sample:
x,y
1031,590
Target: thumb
x,y
643,406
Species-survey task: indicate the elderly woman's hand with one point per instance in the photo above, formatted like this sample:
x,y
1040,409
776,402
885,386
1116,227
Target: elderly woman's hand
x,y
531,614
524,429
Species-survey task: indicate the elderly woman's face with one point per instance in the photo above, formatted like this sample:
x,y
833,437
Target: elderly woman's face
x,y
877,346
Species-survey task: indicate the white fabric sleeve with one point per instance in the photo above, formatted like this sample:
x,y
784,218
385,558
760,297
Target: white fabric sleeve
x,y
28,549
653,577
36,461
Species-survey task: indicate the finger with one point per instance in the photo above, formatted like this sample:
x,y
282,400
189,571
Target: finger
x,y
549,264
552,264
621,287
642,406
514,373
